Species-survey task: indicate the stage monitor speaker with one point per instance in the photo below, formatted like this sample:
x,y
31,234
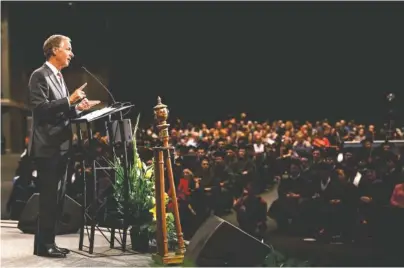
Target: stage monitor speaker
x,y
70,221
219,243
115,132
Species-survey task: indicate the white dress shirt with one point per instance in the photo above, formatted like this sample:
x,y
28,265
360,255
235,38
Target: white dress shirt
x,y
55,71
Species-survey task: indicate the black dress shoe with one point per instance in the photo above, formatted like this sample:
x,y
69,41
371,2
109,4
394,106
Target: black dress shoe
x,y
50,252
63,250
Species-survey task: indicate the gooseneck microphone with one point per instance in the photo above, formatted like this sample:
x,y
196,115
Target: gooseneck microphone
x,y
99,82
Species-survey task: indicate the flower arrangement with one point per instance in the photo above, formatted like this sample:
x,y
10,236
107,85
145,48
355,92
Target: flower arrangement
x,y
141,202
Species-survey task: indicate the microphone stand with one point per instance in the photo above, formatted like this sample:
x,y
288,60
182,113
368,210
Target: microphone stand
x,y
390,118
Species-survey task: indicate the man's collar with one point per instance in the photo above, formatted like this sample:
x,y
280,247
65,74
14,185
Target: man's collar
x,y
52,67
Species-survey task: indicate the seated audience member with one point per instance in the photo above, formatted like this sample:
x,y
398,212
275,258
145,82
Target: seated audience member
x,y
320,141
251,212
326,212
223,184
292,191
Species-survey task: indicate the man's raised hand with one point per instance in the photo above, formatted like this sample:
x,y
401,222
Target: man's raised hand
x,y
78,94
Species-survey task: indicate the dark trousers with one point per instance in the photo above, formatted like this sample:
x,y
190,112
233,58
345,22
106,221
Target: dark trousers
x,y
51,172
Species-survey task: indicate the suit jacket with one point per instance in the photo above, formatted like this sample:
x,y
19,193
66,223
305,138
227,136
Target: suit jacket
x,y
51,112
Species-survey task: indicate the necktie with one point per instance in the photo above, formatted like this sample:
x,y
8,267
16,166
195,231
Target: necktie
x,y
60,78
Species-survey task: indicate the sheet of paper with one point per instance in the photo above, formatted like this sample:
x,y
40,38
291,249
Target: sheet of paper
x,y
97,113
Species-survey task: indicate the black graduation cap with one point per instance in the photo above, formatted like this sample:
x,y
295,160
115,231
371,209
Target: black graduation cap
x,y
203,158
348,150
295,161
220,140
304,154
231,147
178,161
331,152
191,147
242,140
242,146
367,139
219,153
370,166
203,145
182,148
212,147
323,166
249,147
189,158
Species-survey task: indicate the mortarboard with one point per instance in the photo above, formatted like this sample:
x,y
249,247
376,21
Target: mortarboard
x,y
219,153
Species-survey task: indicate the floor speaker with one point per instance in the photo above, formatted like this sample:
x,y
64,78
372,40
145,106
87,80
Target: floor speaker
x,y
221,244
70,221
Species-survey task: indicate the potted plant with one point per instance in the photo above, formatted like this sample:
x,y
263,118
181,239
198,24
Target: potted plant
x,y
141,195
141,202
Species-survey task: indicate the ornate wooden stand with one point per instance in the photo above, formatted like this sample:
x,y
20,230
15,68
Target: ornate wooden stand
x,y
163,256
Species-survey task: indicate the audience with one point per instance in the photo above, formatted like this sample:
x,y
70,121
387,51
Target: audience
x,y
326,190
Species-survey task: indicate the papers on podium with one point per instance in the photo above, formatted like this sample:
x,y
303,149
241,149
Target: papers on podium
x,y
100,113
96,114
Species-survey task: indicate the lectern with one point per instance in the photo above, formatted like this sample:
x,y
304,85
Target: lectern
x,y
88,157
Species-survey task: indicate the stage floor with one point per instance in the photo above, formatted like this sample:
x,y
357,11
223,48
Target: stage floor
x,y
17,247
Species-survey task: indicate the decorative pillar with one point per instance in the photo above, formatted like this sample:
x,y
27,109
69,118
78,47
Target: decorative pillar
x,y
162,156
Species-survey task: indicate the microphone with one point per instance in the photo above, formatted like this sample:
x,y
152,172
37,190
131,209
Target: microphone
x,y
99,82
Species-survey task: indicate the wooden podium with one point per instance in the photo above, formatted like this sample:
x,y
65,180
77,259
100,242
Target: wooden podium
x,y
161,157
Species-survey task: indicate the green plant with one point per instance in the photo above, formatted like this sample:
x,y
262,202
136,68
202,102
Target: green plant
x,y
171,231
141,186
141,201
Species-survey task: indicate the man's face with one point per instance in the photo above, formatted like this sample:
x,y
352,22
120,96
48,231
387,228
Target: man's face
x,y
329,160
205,164
370,175
367,145
63,53
220,144
230,153
200,152
219,161
294,169
241,153
316,155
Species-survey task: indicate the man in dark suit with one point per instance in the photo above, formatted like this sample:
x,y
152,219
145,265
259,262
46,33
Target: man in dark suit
x,y
52,107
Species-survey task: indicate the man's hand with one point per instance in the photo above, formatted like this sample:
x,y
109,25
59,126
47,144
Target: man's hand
x,y
86,104
78,94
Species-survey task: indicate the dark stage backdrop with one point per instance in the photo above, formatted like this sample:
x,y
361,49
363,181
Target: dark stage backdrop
x,y
272,60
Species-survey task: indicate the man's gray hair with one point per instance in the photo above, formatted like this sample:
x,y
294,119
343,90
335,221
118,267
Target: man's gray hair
x,y
52,42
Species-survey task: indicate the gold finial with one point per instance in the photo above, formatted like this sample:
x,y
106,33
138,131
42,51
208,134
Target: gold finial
x,y
160,112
